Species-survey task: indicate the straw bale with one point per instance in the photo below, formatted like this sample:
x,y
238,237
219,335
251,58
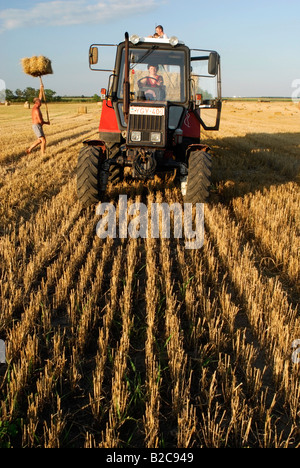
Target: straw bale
x,y
37,66
82,110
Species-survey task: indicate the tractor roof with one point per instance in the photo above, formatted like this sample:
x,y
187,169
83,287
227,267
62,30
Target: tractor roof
x,y
135,39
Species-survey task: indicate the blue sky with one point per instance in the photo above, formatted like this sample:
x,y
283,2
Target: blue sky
x,y
258,40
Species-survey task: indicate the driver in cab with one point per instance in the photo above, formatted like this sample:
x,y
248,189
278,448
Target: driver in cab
x,y
153,80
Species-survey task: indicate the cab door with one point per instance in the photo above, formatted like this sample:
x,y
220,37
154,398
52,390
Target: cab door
x,y
206,87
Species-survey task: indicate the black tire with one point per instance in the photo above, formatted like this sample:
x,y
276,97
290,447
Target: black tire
x,y
116,174
89,163
199,174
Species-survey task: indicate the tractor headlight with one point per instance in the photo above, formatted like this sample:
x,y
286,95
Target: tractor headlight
x,y
135,39
173,41
136,136
155,137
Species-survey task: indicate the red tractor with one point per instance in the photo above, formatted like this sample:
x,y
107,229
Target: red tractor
x,y
160,93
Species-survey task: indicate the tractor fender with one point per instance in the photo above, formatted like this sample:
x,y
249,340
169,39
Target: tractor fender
x,y
197,147
108,119
190,125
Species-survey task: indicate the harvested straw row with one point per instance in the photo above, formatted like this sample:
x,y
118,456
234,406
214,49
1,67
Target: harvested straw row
x,y
37,66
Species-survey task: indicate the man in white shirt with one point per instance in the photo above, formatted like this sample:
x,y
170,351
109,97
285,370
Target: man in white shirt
x,y
160,32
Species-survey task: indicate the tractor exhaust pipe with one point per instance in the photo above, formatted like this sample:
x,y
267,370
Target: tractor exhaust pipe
x,y
126,86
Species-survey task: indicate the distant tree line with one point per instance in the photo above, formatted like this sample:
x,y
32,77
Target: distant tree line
x,y
28,94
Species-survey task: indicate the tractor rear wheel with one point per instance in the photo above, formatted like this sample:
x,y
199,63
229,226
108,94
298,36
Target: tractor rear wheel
x,y
198,181
89,163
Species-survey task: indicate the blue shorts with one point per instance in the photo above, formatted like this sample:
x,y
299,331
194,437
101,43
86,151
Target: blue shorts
x,y
38,130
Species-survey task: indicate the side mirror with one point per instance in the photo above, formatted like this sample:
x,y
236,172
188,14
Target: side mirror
x,y
213,63
93,55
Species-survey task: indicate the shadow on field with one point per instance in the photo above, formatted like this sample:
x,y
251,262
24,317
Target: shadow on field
x,y
15,157
253,162
241,165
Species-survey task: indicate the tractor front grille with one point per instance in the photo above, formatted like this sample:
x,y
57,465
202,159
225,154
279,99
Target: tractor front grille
x,y
147,120
151,123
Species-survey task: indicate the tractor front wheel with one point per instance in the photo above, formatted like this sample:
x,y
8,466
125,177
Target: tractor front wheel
x,y
199,174
89,164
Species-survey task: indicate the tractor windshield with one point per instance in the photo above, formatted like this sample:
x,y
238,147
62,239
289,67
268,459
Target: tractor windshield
x,y
155,74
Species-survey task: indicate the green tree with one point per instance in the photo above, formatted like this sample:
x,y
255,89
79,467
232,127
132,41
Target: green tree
x,y
50,95
9,95
19,94
29,94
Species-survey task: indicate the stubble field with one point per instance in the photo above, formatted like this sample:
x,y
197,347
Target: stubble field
x,y
141,342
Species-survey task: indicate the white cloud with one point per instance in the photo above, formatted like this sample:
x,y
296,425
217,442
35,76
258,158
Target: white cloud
x,y
70,12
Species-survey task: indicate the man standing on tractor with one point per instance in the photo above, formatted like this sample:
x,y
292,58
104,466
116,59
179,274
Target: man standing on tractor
x,y
37,124
159,30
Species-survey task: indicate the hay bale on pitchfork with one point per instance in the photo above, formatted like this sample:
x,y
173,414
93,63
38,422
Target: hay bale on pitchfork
x,y
38,66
